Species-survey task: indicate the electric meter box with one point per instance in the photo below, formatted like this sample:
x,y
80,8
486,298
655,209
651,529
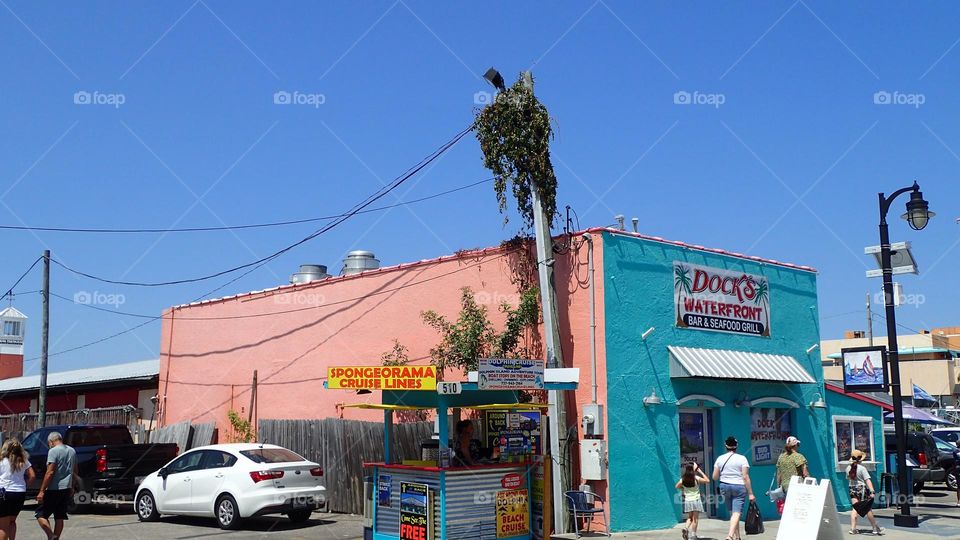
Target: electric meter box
x,y
592,420
593,459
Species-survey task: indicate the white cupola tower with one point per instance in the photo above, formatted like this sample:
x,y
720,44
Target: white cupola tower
x,y
12,326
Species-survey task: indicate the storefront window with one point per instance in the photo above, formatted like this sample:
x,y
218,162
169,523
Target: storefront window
x,y
853,433
769,429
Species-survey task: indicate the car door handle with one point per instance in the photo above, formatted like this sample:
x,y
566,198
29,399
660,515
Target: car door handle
x,y
186,479
219,475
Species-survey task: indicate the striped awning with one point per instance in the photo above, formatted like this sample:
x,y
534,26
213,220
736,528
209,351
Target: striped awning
x,y
741,365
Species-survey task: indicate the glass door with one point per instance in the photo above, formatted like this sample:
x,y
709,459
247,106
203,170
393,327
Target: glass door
x,y
696,434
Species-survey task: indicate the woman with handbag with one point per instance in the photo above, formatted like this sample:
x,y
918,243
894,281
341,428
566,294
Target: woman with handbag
x,y
861,493
15,474
791,463
733,472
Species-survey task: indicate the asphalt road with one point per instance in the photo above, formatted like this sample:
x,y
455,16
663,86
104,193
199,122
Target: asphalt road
x,y
109,523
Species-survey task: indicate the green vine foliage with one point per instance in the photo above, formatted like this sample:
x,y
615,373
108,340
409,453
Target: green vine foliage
x,y
242,430
398,355
514,133
472,336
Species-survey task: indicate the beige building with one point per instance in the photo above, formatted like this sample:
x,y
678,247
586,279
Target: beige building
x,y
931,360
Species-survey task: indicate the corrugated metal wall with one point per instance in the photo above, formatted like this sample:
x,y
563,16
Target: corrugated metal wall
x,y
388,519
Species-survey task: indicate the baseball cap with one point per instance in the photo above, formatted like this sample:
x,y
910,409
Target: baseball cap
x,y
731,442
792,441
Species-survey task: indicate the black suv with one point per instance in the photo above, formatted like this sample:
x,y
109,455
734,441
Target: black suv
x,y
932,466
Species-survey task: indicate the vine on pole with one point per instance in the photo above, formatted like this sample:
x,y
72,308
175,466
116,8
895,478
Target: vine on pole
x,y
514,133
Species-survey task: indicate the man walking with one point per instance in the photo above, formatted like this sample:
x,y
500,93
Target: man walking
x,y
56,489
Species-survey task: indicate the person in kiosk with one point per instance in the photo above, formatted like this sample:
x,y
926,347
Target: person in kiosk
x,y
733,472
466,449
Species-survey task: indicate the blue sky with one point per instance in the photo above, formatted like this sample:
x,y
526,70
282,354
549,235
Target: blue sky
x,y
780,153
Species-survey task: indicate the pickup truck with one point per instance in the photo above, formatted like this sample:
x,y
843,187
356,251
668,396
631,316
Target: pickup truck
x,y
110,466
932,466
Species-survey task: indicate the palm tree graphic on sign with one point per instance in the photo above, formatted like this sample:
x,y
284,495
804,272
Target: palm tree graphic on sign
x,y
761,298
682,284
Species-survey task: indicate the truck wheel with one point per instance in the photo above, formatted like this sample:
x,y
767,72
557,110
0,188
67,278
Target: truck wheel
x,y
917,488
300,516
228,514
147,507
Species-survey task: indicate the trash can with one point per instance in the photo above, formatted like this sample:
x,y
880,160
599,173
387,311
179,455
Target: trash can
x,y
368,507
898,495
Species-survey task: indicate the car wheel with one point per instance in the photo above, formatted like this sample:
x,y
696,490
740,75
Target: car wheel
x,y
228,514
300,516
917,488
147,507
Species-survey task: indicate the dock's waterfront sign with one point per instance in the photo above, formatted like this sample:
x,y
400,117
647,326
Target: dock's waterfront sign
x,y
721,300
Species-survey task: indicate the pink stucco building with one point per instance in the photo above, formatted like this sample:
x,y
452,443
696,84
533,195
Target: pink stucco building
x,y
291,334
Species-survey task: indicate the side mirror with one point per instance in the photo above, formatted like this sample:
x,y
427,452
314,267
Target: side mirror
x,y
163,473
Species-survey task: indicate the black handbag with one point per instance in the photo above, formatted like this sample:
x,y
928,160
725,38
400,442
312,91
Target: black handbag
x,y
864,506
754,524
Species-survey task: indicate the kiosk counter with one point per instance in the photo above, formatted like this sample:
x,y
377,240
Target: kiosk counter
x,y
506,494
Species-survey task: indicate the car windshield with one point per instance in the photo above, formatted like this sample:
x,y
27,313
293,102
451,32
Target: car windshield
x,y
36,442
943,445
271,455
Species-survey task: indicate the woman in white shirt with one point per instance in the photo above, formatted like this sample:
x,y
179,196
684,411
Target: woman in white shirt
x,y
15,474
732,470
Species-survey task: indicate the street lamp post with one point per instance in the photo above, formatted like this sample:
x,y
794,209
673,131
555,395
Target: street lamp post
x,y
917,216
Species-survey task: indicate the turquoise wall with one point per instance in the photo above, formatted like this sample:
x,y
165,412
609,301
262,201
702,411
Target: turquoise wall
x,y
841,405
644,448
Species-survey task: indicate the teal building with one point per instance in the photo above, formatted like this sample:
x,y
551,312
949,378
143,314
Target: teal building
x,y
701,344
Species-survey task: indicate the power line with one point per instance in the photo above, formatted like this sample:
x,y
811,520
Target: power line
x,y
360,206
255,315
239,227
12,287
282,312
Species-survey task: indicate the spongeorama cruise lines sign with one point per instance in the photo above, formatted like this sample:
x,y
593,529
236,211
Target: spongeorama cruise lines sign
x,y
721,300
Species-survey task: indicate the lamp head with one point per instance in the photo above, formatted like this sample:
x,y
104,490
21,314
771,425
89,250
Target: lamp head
x,y
818,403
652,400
918,212
493,77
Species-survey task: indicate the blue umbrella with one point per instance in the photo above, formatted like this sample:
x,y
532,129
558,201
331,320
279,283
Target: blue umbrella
x,y
913,414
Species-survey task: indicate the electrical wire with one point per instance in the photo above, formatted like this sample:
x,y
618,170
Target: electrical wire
x,y
282,312
360,206
155,318
12,287
239,227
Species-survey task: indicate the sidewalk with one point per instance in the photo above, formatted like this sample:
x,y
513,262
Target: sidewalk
x,y
939,519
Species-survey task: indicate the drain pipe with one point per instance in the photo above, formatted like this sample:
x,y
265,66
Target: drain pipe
x,y
593,321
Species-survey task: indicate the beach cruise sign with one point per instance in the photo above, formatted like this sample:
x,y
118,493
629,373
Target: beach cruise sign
x,y
721,300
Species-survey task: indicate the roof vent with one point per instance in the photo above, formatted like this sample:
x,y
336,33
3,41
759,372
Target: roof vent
x,y
359,261
308,273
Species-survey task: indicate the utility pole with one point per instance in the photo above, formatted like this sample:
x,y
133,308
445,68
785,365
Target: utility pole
x,y
551,338
869,321
44,341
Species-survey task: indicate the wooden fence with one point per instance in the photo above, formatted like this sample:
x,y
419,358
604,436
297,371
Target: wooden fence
x,y
20,425
341,447
185,434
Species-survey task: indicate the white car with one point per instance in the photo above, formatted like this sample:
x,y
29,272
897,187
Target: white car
x,y
949,434
231,482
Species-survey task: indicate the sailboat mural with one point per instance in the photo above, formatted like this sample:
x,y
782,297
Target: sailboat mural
x,y
864,368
